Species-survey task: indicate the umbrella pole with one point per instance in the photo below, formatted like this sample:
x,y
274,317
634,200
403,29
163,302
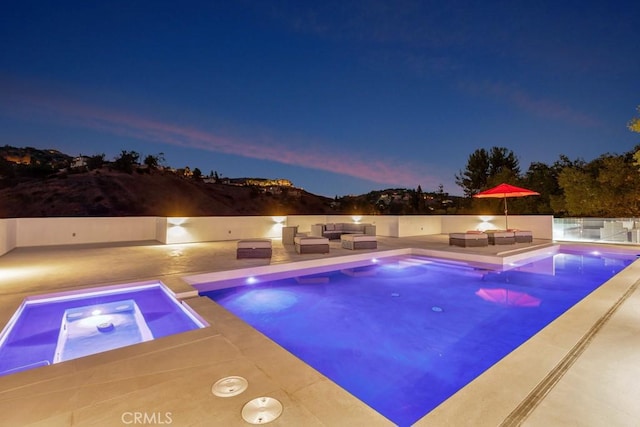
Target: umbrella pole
x,y
506,215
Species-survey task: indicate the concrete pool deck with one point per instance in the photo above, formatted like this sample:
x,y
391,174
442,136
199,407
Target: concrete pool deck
x,y
584,369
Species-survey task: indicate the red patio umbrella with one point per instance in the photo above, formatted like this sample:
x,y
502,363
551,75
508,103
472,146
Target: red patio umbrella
x,y
504,191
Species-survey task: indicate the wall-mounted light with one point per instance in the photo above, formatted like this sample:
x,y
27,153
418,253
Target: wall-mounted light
x,y
176,221
356,218
279,219
177,229
486,224
278,225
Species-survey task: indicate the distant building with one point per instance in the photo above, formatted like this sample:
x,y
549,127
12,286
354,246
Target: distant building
x,y
79,162
261,182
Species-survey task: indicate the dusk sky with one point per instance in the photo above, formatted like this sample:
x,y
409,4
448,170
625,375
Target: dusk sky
x,y
340,97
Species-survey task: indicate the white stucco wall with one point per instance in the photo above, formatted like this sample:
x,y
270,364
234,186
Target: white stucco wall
x,y
7,235
70,231
419,225
161,229
206,229
26,232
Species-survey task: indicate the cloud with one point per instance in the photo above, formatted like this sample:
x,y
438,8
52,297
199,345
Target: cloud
x,y
62,110
545,108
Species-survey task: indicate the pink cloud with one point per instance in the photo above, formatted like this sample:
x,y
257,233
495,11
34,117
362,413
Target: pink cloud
x,y
538,106
69,112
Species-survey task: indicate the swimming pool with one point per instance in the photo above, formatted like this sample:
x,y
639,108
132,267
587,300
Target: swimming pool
x,y
49,329
404,334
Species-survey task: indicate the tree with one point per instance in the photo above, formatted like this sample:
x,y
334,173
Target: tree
x,y
197,174
634,123
542,178
474,177
608,186
418,200
153,162
581,192
126,161
502,160
487,168
620,174
95,161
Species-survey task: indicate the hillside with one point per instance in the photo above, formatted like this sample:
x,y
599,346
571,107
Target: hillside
x,y
48,183
105,192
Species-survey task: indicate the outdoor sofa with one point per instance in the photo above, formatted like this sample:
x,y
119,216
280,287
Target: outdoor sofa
x,y
333,231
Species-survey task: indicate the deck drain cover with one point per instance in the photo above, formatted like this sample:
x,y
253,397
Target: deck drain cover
x,y
261,410
229,386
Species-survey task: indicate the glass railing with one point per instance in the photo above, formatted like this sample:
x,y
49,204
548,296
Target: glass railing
x,y
605,230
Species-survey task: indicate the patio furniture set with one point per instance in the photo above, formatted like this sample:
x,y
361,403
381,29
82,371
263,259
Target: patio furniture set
x,y
350,238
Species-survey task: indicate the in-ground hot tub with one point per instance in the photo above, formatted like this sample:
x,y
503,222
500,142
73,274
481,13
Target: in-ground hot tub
x,y
53,328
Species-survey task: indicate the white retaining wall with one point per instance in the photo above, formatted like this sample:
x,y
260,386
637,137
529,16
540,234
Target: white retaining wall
x,y
7,235
207,229
26,232
70,231
419,225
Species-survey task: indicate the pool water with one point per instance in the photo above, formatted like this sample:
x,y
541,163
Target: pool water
x,y
403,335
54,328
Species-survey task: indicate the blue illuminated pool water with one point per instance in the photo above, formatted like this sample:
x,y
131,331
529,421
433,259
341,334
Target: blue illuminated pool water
x,y
404,335
54,328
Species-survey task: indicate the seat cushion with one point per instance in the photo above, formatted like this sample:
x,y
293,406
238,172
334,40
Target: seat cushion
x,y
300,240
358,237
254,244
468,236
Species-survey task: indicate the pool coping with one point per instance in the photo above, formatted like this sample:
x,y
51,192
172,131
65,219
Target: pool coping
x,y
503,260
